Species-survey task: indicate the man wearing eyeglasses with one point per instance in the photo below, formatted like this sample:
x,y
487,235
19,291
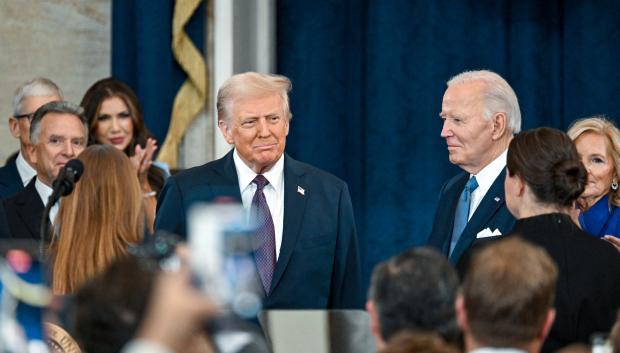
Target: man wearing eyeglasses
x,y
29,96
58,133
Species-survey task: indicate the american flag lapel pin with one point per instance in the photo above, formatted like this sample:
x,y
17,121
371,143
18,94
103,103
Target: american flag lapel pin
x,y
301,190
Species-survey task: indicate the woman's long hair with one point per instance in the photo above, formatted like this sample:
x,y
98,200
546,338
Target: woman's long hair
x,y
98,221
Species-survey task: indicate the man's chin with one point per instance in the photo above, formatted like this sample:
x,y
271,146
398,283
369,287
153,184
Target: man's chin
x,y
267,162
454,159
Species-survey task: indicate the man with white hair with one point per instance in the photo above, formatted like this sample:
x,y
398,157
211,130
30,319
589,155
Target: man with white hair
x,y
480,114
29,96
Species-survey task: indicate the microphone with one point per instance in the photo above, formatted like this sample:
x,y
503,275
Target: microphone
x,y
67,177
62,186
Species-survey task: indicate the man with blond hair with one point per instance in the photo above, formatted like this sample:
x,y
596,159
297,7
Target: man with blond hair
x,y
306,255
506,302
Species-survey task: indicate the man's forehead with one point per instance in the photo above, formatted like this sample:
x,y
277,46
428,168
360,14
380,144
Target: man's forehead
x,y
32,103
263,105
461,94
53,123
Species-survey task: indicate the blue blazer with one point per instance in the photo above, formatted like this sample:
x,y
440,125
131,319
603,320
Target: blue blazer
x,y
491,213
10,181
318,266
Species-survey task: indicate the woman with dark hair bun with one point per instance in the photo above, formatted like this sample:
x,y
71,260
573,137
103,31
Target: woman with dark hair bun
x,y
544,178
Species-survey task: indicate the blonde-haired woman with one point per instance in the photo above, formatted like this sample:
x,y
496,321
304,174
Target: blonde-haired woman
x,y
98,221
598,143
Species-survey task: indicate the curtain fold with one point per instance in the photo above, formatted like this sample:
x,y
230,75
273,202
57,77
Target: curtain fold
x,y
142,55
368,79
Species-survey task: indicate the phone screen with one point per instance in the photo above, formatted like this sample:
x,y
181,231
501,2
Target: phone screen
x,y
221,244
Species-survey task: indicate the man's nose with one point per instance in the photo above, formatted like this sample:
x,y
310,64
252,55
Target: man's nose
x,y
445,130
263,127
69,149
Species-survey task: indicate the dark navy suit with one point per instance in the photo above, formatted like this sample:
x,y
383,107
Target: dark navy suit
x,y
491,213
10,181
24,212
318,266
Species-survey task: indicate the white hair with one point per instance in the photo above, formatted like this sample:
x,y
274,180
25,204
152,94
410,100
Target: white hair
x,y
37,87
498,96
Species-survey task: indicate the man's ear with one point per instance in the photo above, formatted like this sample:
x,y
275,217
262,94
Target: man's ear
x,y
500,124
521,185
14,127
31,149
549,319
374,318
226,131
461,313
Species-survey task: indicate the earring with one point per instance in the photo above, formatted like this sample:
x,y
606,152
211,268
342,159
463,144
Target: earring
x,y
614,185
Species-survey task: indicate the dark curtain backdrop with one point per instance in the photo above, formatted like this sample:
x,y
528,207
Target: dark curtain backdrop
x,y
369,76
142,55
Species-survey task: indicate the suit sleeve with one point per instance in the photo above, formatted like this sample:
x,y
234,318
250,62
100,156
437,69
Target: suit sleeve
x,y
437,237
171,215
346,291
4,224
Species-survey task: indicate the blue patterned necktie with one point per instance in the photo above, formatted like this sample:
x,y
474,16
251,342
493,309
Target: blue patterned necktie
x,y
461,215
265,236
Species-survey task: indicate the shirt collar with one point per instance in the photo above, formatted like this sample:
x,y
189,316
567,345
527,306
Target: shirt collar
x,y
486,177
25,170
497,350
245,174
43,190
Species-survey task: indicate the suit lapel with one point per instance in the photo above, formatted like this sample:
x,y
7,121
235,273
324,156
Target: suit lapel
x,y
30,209
226,168
294,206
491,202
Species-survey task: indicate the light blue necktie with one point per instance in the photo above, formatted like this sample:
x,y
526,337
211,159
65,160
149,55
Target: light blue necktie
x,y
462,212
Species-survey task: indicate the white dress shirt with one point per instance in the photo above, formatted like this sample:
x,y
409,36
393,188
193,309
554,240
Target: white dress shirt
x,y
497,350
485,178
25,170
45,192
138,345
274,192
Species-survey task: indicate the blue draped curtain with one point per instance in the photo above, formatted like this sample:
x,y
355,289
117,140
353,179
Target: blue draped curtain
x,y
369,75
142,55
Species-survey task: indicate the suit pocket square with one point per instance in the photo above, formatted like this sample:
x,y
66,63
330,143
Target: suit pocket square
x,y
486,233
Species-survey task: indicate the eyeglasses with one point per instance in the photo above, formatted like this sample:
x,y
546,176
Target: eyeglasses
x,y
23,116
